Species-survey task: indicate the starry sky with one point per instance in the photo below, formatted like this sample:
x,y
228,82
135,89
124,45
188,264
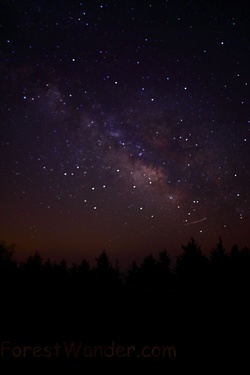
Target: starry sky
x,y
124,126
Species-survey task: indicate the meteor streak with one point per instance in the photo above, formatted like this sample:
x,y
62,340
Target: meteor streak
x,y
197,221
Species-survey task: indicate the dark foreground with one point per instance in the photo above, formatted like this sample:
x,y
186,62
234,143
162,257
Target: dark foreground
x,y
124,329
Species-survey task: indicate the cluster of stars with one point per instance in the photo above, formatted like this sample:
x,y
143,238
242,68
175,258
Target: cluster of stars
x,y
122,119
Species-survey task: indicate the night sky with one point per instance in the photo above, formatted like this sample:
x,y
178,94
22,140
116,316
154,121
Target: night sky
x,y
125,126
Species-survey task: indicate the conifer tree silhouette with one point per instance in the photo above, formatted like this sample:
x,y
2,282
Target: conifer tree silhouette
x,y
239,268
163,267
192,267
31,271
149,273
132,277
33,264
219,261
7,263
82,275
105,274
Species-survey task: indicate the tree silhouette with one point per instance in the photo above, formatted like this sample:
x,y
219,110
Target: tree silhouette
x,y
163,267
245,253
192,267
8,267
132,277
235,262
61,270
33,264
218,254
220,272
105,275
239,268
48,268
7,263
152,273
31,270
149,273
219,267
82,275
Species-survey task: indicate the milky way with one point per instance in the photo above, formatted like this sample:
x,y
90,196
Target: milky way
x,y
124,126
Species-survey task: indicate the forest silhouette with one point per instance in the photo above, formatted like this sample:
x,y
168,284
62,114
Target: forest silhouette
x,y
200,305
221,271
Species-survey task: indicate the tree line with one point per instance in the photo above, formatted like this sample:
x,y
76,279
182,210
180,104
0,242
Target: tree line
x,y
220,271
